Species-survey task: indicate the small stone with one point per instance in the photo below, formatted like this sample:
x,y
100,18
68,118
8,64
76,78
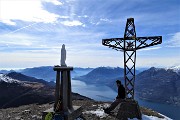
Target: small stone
x,y
18,118
36,117
8,116
26,112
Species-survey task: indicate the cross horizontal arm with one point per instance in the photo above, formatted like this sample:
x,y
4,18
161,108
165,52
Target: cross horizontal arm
x,y
143,42
114,43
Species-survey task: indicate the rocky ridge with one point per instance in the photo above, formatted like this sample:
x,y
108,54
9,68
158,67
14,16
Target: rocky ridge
x,y
92,110
20,90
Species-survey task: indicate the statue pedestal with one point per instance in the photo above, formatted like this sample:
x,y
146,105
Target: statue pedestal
x,y
63,97
63,109
129,109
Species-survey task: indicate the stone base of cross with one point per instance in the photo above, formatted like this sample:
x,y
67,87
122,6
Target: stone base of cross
x,y
128,108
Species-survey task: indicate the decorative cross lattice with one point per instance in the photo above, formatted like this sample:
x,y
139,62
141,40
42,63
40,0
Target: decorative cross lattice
x,y
129,44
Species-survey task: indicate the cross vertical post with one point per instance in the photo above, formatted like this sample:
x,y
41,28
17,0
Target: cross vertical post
x,y
129,57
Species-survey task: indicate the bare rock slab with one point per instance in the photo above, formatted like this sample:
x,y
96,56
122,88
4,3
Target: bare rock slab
x,y
129,109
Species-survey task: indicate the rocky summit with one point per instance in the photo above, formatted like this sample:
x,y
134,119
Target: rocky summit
x,y
92,110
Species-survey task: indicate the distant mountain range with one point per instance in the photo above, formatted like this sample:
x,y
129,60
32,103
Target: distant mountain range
x,y
47,73
101,75
158,84
17,89
154,84
6,71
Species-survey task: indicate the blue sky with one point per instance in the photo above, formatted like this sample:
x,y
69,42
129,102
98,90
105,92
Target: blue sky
x,y
32,31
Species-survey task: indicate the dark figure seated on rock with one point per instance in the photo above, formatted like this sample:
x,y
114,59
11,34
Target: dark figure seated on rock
x,y
119,98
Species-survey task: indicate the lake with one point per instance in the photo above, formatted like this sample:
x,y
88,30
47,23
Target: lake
x,y
104,93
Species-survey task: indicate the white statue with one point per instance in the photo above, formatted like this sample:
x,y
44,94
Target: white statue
x,y
63,56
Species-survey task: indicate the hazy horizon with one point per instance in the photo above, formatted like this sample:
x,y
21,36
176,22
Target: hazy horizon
x,y
146,67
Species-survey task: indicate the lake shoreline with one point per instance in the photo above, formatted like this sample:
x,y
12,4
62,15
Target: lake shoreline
x,y
97,91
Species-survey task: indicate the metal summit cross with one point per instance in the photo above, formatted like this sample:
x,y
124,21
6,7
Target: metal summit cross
x,y
129,44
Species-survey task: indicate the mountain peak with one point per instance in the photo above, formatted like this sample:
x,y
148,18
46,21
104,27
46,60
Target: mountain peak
x,y
156,69
22,77
8,79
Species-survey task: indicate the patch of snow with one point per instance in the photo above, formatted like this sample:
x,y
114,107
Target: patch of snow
x,y
157,69
174,68
111,68
8,79
145,117
166,118
98,112
94,105
106,105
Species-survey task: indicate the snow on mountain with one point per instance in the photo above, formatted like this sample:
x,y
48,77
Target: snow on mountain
x,y
175,69
7,79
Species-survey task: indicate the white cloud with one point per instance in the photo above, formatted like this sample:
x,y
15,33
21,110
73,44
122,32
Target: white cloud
x,y
55,2
105,20
26,10
17,40
65,17
100,21
174,40
72,23
84,16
